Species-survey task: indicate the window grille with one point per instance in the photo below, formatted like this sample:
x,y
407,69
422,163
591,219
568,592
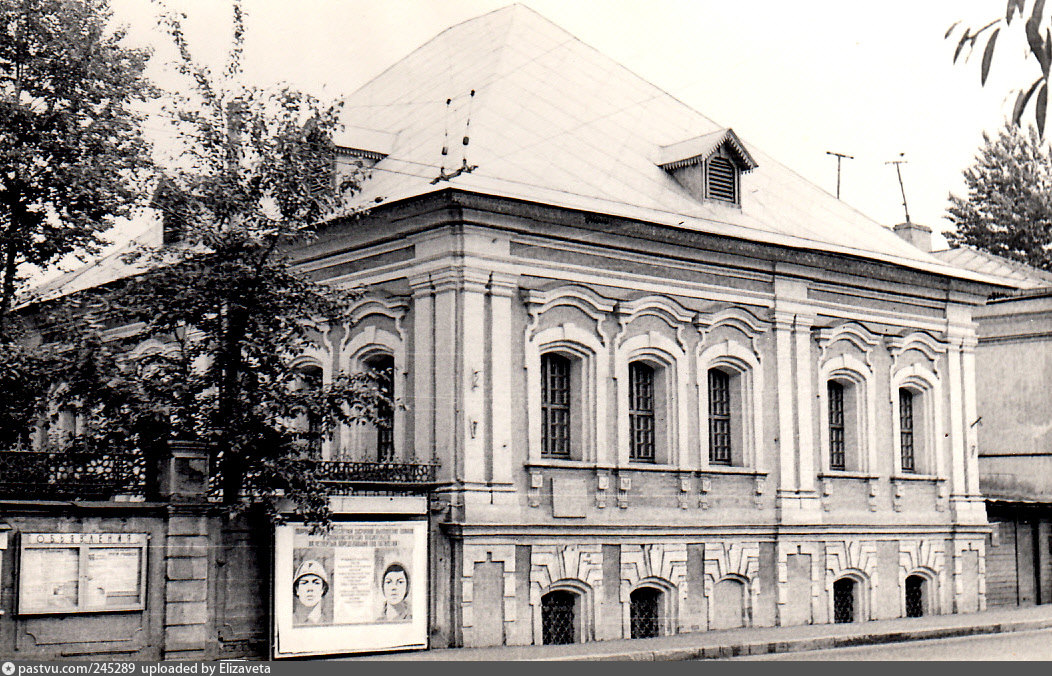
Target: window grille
x,y
844,600
555,406
914,596
383,367
722,180
719,417
836,426
906,430
558,617
641,412
645,612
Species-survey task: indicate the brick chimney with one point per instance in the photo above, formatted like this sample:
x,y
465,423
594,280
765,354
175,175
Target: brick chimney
x,y
916,234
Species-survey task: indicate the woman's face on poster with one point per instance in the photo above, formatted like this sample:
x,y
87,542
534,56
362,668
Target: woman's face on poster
x,y
395,586
309,590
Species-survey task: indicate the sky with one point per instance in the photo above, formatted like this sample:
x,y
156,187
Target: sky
x,y
797,79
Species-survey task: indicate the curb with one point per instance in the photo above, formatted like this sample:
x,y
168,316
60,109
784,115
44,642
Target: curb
x,y
802,644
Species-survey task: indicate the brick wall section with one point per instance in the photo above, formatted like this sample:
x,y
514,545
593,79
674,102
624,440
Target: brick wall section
x,y
187,624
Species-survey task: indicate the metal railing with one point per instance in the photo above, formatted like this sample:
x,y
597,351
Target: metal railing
x,y
71,474
79,474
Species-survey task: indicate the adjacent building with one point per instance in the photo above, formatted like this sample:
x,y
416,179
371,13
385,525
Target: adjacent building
x,y
1013,377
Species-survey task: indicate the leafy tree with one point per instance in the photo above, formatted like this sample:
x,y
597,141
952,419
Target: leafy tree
x,y
1037,28
1008,210
228,309
71,149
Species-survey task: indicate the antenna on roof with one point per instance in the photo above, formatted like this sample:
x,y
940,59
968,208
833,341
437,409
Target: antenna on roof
x,y
898,172
445,137
467,129
839,156
464,167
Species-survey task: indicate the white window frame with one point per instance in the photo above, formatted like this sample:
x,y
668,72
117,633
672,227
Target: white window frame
x,y
660,352
928,406
846,368
370,342
577,344
732,356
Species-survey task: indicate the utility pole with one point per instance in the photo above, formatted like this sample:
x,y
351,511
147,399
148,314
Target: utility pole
x,y
898,171
839,156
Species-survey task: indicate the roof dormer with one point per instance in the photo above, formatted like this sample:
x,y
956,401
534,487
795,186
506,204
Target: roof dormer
x,y
710,166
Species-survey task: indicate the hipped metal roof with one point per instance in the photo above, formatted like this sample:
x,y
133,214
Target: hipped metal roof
x,y
544,117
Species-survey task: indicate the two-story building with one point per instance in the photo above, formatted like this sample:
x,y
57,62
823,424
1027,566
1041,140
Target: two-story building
x,y
670,384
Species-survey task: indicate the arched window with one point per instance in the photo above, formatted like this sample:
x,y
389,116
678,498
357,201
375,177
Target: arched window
x,y
845,602
916,587
730,406
559,617
557,418
847,415
641,413
724,418
916,414
907,432
382,368
837,432
645,612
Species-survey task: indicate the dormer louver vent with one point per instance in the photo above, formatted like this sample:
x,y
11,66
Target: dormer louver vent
x,y
722,180
709,167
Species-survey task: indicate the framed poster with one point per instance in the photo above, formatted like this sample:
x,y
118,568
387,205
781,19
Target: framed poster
x,y
81,572
360,587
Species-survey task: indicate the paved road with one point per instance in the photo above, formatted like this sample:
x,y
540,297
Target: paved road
x,y
1025,645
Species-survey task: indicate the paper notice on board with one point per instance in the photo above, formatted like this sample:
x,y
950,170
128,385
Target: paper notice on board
x,y
50,579
113,576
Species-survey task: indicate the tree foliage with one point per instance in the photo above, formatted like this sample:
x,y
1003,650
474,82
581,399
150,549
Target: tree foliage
x,y
205,344
232,312
1037,27
1008,209
71,149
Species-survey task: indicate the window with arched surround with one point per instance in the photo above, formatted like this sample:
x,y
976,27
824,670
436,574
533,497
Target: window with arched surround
x,y
653,394
381,353
563,398
847,416
916,422
730,408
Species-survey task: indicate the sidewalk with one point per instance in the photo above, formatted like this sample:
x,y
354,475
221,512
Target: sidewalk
x,y
733,642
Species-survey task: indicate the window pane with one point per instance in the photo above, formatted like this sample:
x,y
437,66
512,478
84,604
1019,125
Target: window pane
x,y
641,412
836,426
555,406
719,417
906,430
